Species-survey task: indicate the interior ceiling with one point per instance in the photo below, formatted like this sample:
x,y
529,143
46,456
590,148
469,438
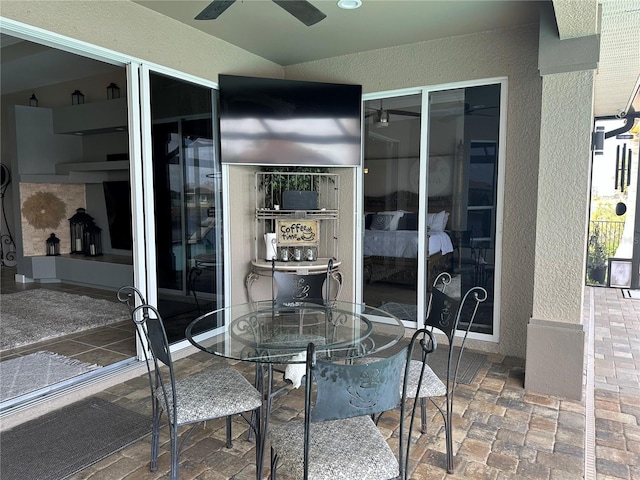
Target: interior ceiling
x,y
263,28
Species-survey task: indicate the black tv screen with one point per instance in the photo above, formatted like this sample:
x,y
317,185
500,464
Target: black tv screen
x,y
266,121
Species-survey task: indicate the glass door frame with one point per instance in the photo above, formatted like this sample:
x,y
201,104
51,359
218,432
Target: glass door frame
x,y
147,182
423,200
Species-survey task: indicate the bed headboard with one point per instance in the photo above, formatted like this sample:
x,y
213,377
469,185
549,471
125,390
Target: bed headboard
x,y
404,200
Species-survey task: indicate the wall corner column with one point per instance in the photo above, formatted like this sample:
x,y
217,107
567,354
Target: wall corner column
x,y
555,334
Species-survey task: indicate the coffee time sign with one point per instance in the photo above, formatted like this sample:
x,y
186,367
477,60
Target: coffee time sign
x,y
293,233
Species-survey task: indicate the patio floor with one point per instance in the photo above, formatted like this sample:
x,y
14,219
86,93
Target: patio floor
x,y
500,430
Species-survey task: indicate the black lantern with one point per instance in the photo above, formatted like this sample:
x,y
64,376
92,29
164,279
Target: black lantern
x,y
53,245
33,101
77,98
92,240
79,223
113,91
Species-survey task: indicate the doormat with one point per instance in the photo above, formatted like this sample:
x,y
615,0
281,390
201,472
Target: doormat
x,y
627,293
403,311
470,363
36,371
34,315
66,441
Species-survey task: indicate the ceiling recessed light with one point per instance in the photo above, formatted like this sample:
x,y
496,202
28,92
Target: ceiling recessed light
x,y
349,4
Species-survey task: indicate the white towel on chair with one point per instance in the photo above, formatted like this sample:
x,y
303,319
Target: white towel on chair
x,y
296,371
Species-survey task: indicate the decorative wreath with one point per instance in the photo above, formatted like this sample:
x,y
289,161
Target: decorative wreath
x,y
43,210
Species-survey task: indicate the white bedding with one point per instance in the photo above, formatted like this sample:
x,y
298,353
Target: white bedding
x,y
403,243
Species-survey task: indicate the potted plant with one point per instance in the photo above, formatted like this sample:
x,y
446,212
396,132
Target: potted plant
x,y
292,187
597,256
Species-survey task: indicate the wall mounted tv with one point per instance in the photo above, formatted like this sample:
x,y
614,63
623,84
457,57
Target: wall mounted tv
x,y
266,121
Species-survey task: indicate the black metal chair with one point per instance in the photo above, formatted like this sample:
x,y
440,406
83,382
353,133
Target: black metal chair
x,y
445,314
207,395
338,437
289,289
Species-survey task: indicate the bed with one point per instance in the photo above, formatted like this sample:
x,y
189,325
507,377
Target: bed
x,y
391,238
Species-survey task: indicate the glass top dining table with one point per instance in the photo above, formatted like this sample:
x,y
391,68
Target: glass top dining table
x,y
267,333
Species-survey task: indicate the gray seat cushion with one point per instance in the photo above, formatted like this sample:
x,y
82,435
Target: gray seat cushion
x,y
211,394
431,386
340,449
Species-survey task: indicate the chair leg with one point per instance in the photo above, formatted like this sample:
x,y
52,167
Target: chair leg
x,y
449,438
423,415
274,463
175,453
155,434
229,442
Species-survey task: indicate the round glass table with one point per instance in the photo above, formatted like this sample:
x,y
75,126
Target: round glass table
x,y
267,333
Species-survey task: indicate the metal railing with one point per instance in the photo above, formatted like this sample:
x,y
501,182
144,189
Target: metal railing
x,y
609,234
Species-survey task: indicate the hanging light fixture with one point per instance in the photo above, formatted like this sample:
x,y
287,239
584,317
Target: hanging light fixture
x,y
113,91
77,98
382,117
33,100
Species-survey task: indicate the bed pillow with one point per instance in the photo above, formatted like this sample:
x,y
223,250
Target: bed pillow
x,y
386,220
436,222
409,221
368,218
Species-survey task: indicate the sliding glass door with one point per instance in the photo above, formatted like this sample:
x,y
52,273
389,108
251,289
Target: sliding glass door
x,y
187,201
431,198
391,186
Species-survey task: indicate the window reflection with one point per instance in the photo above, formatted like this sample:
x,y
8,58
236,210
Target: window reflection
x,y
460,190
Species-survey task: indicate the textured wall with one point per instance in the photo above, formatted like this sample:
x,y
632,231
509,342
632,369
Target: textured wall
x,y
512,53
562,196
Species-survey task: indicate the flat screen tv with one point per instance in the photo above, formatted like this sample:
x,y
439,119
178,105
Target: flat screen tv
x,y
266,121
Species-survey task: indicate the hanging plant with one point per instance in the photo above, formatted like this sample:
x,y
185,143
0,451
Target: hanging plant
x,y
44,210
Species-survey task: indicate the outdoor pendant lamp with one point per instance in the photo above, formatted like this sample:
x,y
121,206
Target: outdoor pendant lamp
x,y
33,100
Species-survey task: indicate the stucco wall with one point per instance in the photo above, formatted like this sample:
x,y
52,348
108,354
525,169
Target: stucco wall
x,y
509,52
560,284
132,29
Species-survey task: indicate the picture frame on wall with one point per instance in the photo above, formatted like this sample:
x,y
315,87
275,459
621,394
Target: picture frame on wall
x,y
619,272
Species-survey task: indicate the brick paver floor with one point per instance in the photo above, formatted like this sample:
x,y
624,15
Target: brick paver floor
x,y
501,431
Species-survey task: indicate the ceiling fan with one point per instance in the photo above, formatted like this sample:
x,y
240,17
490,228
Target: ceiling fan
x,y
479,110
301,9
381,118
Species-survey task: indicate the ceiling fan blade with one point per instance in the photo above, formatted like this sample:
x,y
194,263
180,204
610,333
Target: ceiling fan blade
x,y
404,112
214,9
302,10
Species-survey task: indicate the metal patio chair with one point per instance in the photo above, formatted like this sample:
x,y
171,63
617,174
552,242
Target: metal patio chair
x,y
445,314
338,437
190,400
